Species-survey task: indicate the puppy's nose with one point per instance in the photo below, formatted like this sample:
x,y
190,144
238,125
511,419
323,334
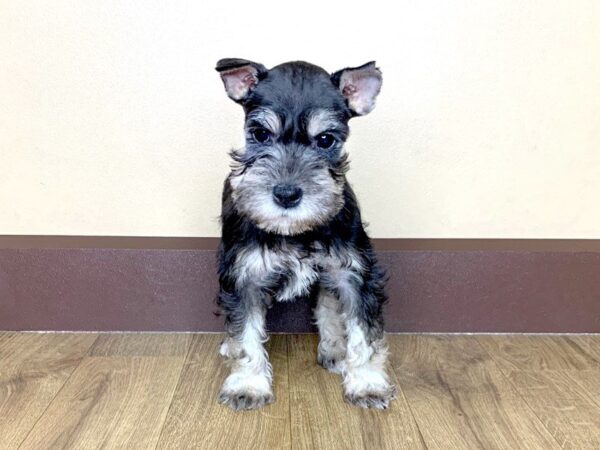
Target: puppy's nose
x,y
287,195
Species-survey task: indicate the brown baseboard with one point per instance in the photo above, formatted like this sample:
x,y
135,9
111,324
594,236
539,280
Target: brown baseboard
x,y
168,284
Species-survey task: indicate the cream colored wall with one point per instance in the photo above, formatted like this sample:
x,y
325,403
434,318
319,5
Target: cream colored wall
x,y
113,122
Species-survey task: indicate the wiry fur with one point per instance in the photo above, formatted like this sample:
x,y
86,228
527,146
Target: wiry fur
x,y
332,330
317,247
254,175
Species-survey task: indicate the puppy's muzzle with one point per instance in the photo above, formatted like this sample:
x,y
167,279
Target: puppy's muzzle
x,y
287,195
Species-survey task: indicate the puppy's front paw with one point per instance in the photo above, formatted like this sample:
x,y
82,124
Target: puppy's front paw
x,y
372,398
245,400
242,391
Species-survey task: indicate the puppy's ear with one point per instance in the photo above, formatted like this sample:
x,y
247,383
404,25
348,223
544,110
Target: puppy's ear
x,y
360,86
240,76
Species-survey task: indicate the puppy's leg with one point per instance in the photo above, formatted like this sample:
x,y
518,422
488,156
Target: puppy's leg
x,y
366,383
248,386
359,285
332,332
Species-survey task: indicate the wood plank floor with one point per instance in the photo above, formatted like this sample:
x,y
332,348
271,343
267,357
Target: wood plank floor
x,y
152,391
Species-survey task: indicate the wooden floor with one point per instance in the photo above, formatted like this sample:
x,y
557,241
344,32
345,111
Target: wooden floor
x,y
123,391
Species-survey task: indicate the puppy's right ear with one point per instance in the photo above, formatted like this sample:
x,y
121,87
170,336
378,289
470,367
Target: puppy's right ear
x,y
240,76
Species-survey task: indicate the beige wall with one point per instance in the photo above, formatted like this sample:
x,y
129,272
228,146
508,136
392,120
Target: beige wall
x,y
113,122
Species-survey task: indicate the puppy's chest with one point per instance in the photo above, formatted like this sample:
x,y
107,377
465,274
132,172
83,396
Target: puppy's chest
x,y
287,271
299,277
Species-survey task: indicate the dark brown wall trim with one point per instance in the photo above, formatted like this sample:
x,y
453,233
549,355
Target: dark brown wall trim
x,y
169,284
123,242
211,243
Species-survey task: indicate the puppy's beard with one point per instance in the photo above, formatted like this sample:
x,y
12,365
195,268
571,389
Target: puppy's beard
x,y
275,219
270,217
253,198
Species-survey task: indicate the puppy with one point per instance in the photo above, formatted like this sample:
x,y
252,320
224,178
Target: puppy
x,y
291,229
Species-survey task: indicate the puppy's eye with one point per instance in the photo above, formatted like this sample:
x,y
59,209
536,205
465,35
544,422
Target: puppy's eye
x,y
261,135
325,140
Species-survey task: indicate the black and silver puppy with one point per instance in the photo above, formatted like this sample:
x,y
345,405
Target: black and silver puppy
x,y
291,228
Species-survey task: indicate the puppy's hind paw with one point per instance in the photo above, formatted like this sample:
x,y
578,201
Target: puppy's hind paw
x,y
332,363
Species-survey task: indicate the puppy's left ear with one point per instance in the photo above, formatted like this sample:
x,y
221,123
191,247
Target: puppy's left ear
x,y
360,86
240,76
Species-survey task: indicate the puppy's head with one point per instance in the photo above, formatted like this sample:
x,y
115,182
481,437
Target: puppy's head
x,y
290,176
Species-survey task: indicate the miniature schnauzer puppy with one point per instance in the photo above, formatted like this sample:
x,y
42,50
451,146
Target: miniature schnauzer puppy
x,y
291,228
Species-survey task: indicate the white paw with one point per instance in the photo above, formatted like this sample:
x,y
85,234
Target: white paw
x,y
372,398
334,362
331,354
368,387
245,400
243,392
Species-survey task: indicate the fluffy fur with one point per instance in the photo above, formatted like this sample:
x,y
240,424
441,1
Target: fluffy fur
x,y
296,125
